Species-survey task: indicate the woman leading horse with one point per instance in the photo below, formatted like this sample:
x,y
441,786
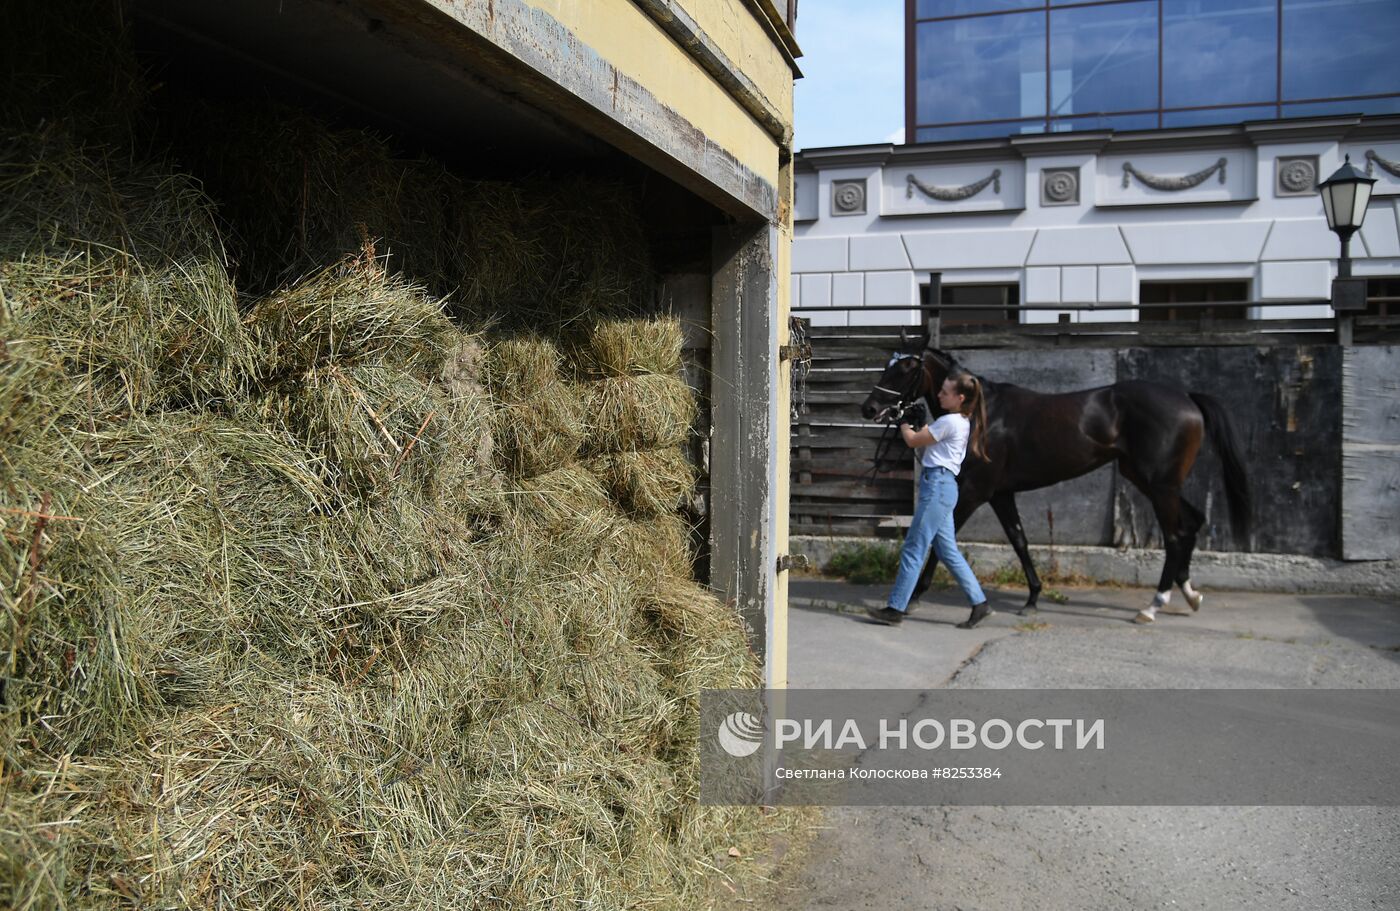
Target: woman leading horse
x,y
945,443
1154,433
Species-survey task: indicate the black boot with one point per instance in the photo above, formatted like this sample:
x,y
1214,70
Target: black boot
x,y
979,613
886,615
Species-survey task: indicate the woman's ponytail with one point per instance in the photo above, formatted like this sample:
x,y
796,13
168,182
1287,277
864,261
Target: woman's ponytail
x,y
975,409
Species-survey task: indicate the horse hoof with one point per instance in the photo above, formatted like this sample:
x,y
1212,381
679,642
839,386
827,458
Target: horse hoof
x,y
1144,617
1196,602
1028,611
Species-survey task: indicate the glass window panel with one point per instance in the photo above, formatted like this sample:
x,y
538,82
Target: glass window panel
x,y
989,67
1334,48
980,130
1218,115
1219,52
929,8
1103,58
1105,122
1389,105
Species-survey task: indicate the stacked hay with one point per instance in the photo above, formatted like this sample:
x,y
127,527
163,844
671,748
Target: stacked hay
x,y
538,255
315,599
644,411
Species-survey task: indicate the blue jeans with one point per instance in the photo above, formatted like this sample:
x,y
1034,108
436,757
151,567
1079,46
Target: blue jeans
x,y
932,526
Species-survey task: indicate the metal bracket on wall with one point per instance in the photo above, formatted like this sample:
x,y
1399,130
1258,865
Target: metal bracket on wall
x,y
792,561
802,352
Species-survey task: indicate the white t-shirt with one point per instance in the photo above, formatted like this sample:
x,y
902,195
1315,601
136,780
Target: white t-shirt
x,y
950,433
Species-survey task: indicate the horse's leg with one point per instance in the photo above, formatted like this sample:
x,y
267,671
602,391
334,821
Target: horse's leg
x,y
967,505
1191,521
1166,503
1004,504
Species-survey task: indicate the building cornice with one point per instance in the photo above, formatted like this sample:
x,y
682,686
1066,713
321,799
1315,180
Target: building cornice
x,y
846,156
1276,131
1350,128
1061,143
976,150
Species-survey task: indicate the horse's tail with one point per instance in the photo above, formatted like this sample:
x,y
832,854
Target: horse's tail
x,y
1221,431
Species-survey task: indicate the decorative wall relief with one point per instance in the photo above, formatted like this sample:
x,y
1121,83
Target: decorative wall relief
x,y
1059,187
1390,167
848,197
953,194
1173,184
1295,175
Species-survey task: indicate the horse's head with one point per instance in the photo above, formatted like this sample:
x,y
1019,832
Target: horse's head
x,y
906,378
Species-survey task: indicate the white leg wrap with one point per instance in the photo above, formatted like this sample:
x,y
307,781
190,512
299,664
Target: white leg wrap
x,y
1193,597
1162,599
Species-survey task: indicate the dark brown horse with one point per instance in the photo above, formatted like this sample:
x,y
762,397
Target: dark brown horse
x,y
1034,439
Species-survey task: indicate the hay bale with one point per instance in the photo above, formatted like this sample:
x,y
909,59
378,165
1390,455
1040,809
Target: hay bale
x,y
360,422
638,412
648,548
350,314
615,348
567,503
649,483
65,194
171,336
365,371
551,255
90,238
540,420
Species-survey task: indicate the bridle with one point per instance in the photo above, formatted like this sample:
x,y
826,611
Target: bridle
x,y
890,414
902,399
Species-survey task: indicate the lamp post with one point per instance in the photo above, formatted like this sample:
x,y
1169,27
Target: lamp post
x,y
1344,198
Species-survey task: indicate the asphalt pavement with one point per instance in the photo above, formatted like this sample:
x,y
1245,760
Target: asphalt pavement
x,y
1084,858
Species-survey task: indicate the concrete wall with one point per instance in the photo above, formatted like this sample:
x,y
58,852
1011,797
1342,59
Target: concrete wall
x,y
1062,218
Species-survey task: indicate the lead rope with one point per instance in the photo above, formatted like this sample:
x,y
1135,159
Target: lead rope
x,y
882,449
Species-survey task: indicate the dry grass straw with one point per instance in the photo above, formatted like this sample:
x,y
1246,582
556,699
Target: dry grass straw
x,y
92,239
277,634
541,255
618,348
652,482
76,58
358,366
541,420
639,412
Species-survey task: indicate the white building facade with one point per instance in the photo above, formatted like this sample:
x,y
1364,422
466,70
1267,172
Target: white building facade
x,y
1085,226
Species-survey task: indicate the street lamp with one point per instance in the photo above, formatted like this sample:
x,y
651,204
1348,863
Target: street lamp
x,y
1344,198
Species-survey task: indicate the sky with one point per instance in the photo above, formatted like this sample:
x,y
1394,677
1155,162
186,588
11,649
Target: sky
x,y
852,89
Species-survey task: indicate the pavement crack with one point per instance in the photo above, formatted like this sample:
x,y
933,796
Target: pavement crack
x,y
972,656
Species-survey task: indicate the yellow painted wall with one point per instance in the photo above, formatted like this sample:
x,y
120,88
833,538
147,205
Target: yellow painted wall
x,y
744,41
632,42
777,670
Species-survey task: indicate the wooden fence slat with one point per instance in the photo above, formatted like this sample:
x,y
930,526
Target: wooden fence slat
x,y
848,510
893,490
